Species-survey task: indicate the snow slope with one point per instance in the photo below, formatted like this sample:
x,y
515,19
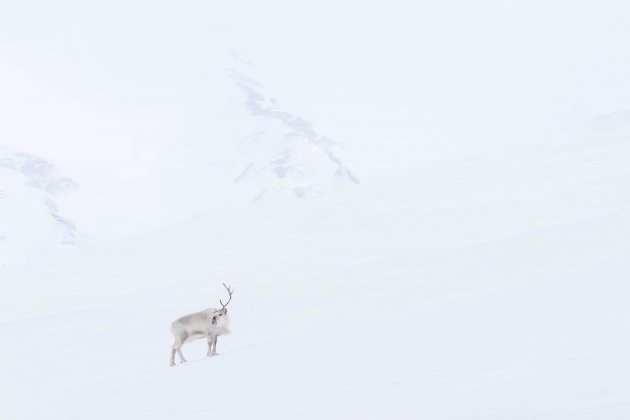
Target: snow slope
x,y
286,153
142,170
489,286
31,224
616,124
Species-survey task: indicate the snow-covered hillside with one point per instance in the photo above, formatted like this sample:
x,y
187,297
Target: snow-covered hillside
x,y
491,286
31,224
616,124
138,175
419,210
286,154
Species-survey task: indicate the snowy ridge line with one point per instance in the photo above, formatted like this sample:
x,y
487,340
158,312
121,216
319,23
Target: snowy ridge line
x,y
291,147
40,226
40,173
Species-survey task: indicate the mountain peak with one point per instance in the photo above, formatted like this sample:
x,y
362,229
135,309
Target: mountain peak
x,y
286,154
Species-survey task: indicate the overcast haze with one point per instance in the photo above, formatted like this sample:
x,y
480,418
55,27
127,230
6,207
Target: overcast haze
x,y
422,207
147,72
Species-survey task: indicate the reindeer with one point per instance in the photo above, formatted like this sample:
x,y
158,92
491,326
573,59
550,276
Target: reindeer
x,y
208,324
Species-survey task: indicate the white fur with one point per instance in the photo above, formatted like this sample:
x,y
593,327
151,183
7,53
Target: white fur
x,y
199,325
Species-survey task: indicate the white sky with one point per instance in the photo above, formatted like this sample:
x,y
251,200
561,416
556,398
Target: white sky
x,y
106,89
431,62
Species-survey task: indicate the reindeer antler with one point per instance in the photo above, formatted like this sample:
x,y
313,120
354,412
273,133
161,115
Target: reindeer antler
x,y
230,291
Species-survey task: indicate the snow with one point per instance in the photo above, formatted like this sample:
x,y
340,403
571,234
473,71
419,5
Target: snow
x,y
422,208
490,287
290,153
31,224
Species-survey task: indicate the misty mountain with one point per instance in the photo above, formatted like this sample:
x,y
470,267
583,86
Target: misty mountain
x,y
31,223
286,153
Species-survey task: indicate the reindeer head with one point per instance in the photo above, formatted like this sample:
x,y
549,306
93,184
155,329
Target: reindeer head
x,y
223,311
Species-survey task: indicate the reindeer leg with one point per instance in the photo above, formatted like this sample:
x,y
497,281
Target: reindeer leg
x,y
173,355
179,342
214,345
181,355
210,339
176,348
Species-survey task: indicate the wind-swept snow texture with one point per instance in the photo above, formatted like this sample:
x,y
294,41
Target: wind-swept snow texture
x,y
287,154
31,224
493,286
